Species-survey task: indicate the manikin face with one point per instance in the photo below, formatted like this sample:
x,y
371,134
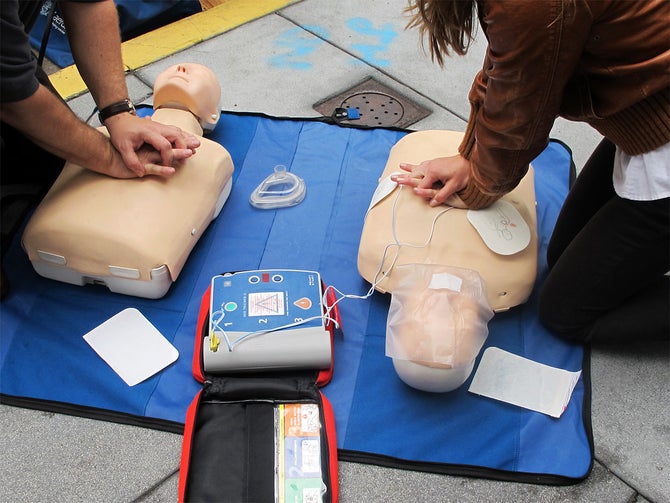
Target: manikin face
x,y
191,86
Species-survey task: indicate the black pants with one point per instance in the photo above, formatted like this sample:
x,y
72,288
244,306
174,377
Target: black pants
x,y
607,262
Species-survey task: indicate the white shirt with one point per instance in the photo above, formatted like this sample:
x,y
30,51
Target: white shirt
x,y
644,177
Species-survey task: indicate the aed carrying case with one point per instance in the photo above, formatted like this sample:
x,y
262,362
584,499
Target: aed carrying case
x,y
260,429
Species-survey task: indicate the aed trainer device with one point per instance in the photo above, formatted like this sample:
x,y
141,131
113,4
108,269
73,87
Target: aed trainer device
x,y
268,319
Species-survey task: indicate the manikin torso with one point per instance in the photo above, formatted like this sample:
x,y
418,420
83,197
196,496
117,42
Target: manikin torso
x,y
509,279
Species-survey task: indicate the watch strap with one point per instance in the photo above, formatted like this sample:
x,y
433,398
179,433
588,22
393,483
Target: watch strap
x,y
115,109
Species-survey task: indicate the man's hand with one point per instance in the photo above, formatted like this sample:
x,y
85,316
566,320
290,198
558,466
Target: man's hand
x,y
130,135
150,160
437,180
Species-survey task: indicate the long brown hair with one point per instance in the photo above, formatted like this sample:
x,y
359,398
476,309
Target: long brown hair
x,y
448,25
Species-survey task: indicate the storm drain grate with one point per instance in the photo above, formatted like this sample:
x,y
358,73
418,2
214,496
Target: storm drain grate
x,y
377,105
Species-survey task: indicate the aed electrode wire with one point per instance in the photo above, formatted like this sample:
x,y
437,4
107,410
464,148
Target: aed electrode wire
x,y
398,244
326,316
231,344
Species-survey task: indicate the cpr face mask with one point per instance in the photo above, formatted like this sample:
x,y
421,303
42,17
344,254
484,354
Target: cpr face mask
x,y
436,326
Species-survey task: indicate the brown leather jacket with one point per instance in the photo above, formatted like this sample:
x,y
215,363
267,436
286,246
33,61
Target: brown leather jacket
x,y
604,62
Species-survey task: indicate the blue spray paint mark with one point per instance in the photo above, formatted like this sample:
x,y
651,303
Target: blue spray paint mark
x,y
384,35
300,45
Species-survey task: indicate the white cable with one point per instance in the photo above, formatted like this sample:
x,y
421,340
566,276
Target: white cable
x,y
231,344
398,244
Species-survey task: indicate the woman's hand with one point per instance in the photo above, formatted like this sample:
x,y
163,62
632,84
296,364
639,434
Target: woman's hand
x,y
437,180
130,135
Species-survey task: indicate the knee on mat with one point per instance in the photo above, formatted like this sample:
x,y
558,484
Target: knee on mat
x,y
559,322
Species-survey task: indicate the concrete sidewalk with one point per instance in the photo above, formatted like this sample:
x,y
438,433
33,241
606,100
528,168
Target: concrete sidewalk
x,y
282,64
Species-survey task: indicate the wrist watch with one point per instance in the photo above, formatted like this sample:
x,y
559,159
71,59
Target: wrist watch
x,y
116,108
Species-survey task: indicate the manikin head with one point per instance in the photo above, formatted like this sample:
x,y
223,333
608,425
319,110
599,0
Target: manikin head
x,y
436,326
192,87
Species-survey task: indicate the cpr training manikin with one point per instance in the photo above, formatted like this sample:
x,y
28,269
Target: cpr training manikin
x,y
134,235
448,269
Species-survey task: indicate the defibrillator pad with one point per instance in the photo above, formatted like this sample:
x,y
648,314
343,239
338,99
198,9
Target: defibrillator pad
x,y
502,228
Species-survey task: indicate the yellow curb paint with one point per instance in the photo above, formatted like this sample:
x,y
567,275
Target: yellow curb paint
x,y
174,37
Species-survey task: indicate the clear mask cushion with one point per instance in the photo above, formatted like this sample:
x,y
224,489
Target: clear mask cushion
x,y
279,190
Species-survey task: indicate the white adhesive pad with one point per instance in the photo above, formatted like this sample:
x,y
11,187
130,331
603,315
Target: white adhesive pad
x,y
502,227
444,280
385,187
132,346
513,379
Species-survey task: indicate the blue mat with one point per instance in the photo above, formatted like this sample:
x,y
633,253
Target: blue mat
x,y
46,364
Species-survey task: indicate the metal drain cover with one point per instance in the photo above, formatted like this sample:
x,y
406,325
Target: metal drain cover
x,y
377,104
376,109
